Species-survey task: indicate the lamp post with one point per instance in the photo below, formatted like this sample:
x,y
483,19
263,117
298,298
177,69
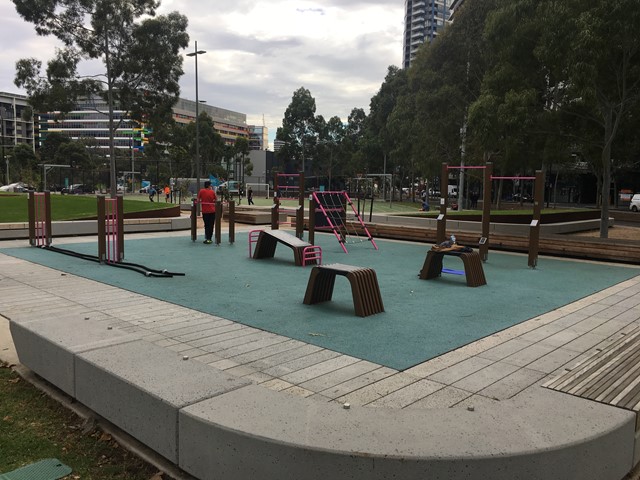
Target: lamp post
x,y
195,54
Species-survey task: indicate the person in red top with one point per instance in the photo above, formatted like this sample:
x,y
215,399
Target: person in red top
x,y
207,199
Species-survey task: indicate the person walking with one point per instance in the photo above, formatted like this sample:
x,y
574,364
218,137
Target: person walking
x,y
167,193
207,199
152,193
250,196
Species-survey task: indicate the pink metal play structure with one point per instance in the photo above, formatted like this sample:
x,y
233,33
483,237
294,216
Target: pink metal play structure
x,y
333,206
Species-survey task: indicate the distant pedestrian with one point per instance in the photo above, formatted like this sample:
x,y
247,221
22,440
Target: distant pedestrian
x,y
167,193
250,196
152,193
207,199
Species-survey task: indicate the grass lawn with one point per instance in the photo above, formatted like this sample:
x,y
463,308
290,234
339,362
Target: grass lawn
x,y
33,427
13,207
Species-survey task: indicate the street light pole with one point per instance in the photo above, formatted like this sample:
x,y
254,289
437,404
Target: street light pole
x,y
195,54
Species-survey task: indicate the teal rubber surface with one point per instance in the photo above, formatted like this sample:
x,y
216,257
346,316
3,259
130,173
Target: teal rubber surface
x,y
422,318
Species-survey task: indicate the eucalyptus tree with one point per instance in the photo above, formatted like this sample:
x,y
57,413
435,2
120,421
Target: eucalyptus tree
x,y
380,108
592,47
140,55
299,131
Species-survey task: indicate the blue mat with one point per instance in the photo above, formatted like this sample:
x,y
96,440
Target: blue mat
x,y
422,318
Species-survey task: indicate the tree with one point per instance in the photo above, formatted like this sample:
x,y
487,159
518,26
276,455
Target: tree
x,y
299,130
24,163
592,48
141,58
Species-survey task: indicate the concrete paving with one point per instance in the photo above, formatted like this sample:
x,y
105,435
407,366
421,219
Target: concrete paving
x,y
476,412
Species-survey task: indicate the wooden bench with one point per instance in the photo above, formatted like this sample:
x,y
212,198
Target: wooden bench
x,y
473,270
268,240
364,287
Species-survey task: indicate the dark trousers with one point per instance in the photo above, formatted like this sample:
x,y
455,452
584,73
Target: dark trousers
x,y
209,220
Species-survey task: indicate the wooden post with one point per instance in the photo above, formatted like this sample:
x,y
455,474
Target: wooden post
x,y
300,209
441,233
534,229
300,222
102,233
232,221
218,222
312,221
31,206
120,220
486,212
194,221
47,218
275,213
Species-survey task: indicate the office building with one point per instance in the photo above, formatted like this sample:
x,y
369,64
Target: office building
x,y
258,137
227,123
16,121
423,20
90,121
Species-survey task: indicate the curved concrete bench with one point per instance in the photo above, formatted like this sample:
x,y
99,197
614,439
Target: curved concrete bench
x,y
216,426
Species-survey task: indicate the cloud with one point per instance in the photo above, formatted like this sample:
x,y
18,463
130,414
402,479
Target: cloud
x,y
259,52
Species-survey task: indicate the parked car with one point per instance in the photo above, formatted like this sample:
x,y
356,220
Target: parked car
x,y
78,189
525,197
634,206
17,187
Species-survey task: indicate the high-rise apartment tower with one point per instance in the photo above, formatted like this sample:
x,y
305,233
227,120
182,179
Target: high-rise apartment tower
x,y
423,19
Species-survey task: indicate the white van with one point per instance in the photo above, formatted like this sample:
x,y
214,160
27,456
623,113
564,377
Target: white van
x,y
634,206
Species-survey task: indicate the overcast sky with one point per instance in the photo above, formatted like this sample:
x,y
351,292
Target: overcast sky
x,y
259,52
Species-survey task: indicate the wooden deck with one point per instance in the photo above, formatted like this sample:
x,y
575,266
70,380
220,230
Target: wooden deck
x,y
611,375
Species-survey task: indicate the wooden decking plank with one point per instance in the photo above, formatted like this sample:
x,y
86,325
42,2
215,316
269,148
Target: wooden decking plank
x,y
611,376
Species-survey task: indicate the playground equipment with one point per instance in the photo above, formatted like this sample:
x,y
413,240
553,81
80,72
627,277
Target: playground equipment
x,y
534,231
473,271
329,213
39,219
110,233
266,241
110,229
217,223
364,287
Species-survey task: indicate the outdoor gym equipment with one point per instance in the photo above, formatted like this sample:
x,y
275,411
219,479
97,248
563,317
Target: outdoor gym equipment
x,y
534,230
332,216
110,233
231,215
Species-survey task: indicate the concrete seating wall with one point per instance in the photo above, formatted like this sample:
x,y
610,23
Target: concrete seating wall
x,y
217,426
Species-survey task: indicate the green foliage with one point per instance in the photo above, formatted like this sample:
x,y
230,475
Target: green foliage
x,y
299,131
141,55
